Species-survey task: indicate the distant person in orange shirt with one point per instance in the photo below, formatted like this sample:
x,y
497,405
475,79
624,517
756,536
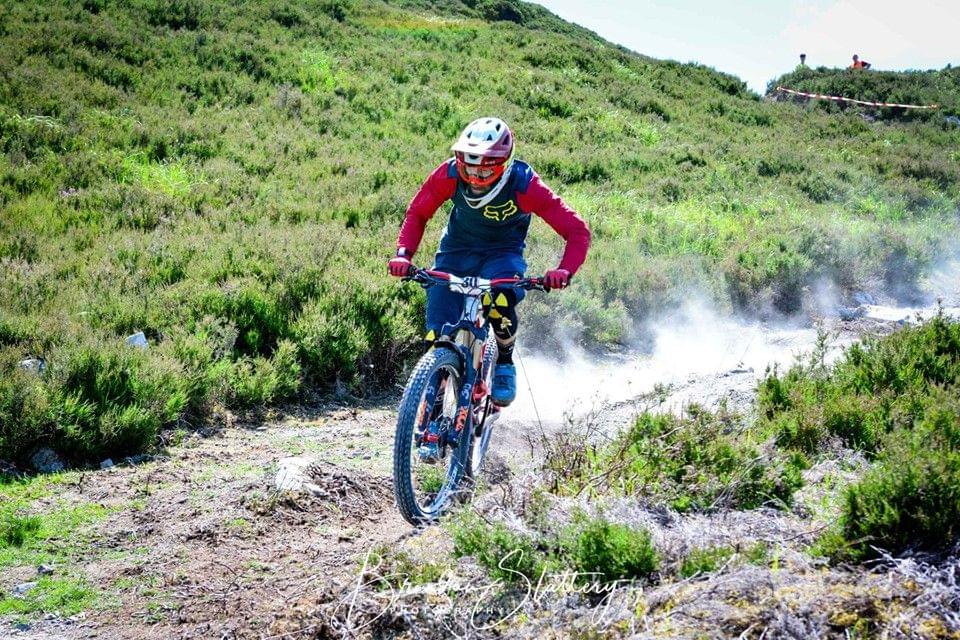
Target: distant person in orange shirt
x,y
858,63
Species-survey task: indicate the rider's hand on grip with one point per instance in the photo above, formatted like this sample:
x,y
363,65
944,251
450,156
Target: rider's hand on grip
x,y
556,279
400,267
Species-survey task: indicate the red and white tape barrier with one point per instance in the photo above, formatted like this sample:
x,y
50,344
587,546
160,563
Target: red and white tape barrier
x,y
820,96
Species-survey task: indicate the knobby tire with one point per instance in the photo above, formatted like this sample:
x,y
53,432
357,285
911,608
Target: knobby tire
x,y
412,511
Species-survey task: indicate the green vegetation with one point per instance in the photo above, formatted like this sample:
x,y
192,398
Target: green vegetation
x,y
396,568
702,561
508,555
941,88
609,551
896,399
699,461
593,547
63,596
16,530
228,178
38,528
430,478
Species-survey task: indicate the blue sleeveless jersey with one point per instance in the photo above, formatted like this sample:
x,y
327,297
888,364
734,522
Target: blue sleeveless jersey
x,y
500,225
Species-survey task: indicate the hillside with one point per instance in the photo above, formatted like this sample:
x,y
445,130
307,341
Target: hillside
x,y
229,178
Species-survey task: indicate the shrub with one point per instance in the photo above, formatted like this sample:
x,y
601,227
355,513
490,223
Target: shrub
x,y
111,399
260,381
176,14
694,462
287,15
773,268
504,10
911,500
25,419
895,398
817,187
702,561
610,552
774,165
337,9
206,367
315,73
506,554
548,104
573,171
878,386
912,87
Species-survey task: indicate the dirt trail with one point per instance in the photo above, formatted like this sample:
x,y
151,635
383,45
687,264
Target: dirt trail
x,y
201,546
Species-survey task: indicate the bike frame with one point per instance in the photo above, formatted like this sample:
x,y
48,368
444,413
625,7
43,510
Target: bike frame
x,y
472,324
464,420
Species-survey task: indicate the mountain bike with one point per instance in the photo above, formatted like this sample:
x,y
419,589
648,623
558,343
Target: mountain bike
x,y
448,399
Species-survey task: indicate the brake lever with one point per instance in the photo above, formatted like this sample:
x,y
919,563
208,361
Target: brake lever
x,y
537,284
412,274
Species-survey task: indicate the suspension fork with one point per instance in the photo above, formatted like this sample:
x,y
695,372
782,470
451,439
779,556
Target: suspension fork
x,y
463,418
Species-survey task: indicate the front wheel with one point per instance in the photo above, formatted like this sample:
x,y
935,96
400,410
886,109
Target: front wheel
x,y
423,487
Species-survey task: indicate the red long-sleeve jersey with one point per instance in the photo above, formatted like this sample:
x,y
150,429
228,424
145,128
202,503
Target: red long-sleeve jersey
x,y
502,224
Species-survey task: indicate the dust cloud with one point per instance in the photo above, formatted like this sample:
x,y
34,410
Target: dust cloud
x,y
693,342
697,342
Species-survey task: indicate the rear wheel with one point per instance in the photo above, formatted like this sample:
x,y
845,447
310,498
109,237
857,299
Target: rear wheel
x,y
423,489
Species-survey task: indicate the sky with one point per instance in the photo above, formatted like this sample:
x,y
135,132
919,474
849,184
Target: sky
x,y
758,40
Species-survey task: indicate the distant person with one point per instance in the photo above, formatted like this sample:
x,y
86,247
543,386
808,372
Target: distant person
x,y
858,63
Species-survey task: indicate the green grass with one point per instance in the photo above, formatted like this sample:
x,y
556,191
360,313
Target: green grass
x,y
38,528
36,525
57,532
61,596
229,179
16,530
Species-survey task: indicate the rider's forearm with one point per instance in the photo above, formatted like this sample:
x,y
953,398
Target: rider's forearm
x,y
436,190
563,219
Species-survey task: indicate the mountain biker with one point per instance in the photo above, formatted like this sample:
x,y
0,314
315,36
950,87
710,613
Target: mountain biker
x,y
493,198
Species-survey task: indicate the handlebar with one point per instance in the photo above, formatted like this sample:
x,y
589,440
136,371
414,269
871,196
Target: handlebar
x,y
430,278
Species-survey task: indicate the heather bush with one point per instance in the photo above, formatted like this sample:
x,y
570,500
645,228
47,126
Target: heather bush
x,y
609,552
895,399
591,546
699,461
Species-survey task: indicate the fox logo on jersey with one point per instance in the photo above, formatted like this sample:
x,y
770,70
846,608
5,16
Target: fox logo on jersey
x,y
500,212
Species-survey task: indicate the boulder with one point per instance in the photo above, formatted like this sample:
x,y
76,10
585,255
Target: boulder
x,y
46,460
